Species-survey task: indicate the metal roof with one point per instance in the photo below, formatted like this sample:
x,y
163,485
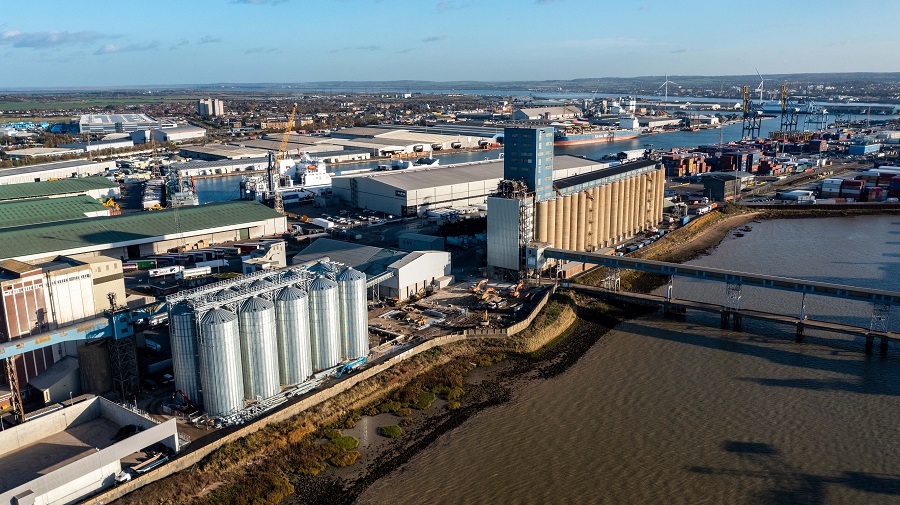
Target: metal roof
x,y
59,371
44,167
245,162
367,259
422,178
50,188
137,228
603,172
47,210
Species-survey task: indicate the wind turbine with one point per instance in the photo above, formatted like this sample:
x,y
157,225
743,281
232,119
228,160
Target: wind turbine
x,y
666,85
761,82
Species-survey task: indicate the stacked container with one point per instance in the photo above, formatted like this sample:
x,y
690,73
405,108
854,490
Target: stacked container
x,y
292,329
220,362
831,188
323,323
354,316
259,348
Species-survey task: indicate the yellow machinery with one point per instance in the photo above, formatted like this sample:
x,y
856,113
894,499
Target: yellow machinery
x,y
477,287
111,204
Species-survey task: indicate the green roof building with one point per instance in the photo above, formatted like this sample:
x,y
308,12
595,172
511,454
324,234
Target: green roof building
x,y
16,213
96,187
144,233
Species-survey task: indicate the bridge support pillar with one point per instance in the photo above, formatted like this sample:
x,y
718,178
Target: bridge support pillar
x,y
799,337
870,343
737,324
883,348
726,316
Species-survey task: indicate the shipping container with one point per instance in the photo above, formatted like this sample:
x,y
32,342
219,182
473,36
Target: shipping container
x,y
193,273
160,272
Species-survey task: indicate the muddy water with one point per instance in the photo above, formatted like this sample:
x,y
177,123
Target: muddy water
x,y
672,412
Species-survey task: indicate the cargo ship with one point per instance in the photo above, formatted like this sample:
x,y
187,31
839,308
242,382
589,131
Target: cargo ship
x,y
296,181
584,133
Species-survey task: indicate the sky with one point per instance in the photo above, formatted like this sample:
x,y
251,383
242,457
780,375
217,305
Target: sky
x,y
49,43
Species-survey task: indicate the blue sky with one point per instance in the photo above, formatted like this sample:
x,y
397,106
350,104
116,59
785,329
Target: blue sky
x,y
103,43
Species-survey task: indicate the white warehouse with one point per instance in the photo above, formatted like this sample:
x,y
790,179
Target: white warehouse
x,y
413,192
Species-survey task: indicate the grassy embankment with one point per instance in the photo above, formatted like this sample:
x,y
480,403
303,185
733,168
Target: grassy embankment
x,y
257,469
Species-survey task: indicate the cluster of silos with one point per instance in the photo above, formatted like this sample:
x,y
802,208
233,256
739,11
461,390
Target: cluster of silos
x,y
602,215
242,343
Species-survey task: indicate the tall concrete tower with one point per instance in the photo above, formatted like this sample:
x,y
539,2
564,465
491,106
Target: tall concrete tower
x,y
528,157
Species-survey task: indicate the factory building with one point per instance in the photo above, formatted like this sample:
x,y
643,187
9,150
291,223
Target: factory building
x,y
48,295
389,141
547,113
119,123
99,145
210,107
178,134
99,188
42,152
414,191
218,152
227,166
409,273
143,234
532,209
239,341
70,453
35,211
54,170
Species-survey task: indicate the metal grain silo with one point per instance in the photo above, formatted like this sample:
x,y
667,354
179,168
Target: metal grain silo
x,y
323,323
259,348
325,269
220,362
183,338
292,329
261,285
354,314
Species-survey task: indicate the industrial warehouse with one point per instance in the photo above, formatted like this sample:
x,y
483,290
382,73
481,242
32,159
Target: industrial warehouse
x,y
415,191
534,210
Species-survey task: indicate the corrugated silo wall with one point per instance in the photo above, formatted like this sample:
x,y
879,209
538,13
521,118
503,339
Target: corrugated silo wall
x,y
567,220
551,222
580,221
558,227
541,211
604,215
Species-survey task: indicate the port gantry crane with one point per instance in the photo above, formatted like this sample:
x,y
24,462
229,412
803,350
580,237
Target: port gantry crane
x,y
752,117
278,203
790,114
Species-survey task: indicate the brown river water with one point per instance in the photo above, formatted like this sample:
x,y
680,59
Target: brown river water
x,y
683,412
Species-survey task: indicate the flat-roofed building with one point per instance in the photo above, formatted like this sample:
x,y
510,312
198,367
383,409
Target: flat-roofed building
x,y
100,145
39,152
99,188
218,152
54,170
143,234
178,134
121,123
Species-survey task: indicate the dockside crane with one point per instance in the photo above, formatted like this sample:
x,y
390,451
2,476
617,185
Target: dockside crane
x,y
278,203
789,113
752,124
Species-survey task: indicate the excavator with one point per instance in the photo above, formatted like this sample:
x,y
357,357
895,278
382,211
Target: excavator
x,y
514,291
477,287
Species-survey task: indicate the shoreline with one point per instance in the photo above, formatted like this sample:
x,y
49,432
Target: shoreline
x,y
225,473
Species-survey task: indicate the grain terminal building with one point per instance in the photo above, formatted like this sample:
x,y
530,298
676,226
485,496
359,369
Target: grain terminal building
x,y
534,209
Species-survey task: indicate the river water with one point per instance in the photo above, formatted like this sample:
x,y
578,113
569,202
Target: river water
x,y
683,412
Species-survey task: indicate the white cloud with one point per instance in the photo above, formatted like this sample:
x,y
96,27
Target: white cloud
x,y
35,40
130,48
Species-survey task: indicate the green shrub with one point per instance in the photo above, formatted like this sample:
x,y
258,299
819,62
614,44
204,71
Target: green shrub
x,y
453,405
406,422
345,459
388,406
349,423
371,410
404,412
392,431
423,401
346,443
441,389
331,434
455,393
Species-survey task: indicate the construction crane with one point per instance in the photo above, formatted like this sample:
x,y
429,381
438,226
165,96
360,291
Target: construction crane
x,y
278,203
752,119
